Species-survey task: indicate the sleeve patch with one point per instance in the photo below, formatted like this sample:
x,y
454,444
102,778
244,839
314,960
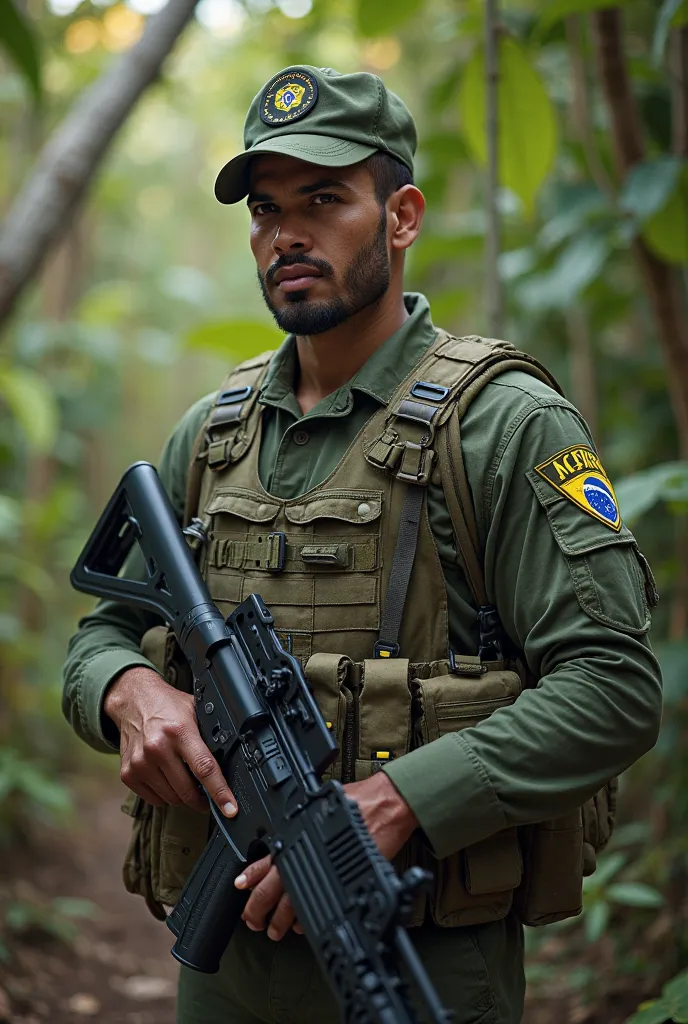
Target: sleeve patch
x,y
577,473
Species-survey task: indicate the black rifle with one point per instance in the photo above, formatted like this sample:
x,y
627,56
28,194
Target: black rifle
x,y
257,715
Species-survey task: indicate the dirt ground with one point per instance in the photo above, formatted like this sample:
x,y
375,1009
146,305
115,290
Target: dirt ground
x,y
119,970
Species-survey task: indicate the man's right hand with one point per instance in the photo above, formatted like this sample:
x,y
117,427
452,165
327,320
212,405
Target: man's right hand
x,y
160,744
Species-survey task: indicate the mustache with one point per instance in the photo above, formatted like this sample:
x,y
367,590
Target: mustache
x,y
290,260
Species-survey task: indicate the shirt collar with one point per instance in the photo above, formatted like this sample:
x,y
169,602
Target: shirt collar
x,y
379,377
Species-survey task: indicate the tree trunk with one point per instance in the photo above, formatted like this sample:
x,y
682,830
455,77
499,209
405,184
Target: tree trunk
x,y
71,157
662,281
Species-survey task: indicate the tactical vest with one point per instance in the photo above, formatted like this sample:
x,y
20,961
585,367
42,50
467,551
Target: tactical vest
x,y
351,573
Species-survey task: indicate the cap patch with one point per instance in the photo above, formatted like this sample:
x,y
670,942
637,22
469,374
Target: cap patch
x,y
577,473
288,97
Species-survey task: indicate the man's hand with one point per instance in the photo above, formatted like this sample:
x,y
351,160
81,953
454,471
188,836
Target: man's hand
x,y
160,742
390,821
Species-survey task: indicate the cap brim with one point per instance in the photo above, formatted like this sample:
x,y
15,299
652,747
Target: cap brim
x,y
231,184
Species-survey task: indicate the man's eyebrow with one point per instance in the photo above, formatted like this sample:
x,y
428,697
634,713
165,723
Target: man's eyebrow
x,y
258,197
306,190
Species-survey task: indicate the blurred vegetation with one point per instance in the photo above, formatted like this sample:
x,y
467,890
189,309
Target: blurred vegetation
x,y
151,293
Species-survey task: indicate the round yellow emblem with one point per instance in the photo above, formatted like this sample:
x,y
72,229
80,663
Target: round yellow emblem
x,y
289,96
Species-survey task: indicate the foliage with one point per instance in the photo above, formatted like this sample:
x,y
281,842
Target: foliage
x,y
56,918
20,43
671,1006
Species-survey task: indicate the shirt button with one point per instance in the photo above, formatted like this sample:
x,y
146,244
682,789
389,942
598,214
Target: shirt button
x,y
261,510
363,509
301,437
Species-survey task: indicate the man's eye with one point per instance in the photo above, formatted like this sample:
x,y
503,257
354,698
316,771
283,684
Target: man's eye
x,y
262,208
325,199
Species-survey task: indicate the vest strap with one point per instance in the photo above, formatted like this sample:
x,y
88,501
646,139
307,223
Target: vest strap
x,y
402,563
422,426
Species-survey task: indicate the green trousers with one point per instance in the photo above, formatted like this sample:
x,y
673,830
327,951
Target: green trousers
x,y
478,973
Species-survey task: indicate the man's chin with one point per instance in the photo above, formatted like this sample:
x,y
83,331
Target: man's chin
x,y
301,315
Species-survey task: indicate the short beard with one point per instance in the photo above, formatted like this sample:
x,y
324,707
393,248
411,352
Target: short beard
x,y
366,281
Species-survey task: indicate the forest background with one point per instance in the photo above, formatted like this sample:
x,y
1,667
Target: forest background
x,y
568,235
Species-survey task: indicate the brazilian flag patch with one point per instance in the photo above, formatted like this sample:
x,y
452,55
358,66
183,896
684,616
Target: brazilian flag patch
x,y
577,473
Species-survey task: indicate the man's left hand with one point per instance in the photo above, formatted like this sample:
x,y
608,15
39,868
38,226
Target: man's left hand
x,y
390,821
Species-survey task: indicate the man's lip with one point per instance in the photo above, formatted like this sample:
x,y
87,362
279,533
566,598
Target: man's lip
x,y
297,271
295,284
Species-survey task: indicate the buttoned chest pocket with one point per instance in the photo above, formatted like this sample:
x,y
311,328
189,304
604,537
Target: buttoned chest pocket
x,y
314,561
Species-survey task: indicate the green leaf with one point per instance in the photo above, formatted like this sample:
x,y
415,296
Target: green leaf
x,y
557,10
596,919
32,404
655,1012
649,186
635,894
527,140
675,994
74,906
639,492
672,14
673,658
10,518
666,232
380,17
607,867
20,42
234,339
19,916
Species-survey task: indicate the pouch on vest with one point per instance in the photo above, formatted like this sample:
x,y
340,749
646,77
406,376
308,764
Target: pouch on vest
x,y
166,841
475,885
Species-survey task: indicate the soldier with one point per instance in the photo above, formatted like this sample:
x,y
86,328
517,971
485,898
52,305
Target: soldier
x,y
430,524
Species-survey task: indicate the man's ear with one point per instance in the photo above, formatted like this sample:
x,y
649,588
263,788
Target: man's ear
x,y
405,209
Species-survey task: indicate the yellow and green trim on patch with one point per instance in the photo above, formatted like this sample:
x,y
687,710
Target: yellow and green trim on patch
x,y
578,474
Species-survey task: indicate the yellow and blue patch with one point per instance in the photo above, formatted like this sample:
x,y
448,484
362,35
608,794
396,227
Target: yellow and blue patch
x,y
288,96
577,473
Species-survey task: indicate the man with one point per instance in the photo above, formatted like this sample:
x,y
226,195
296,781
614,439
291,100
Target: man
x,y
306,491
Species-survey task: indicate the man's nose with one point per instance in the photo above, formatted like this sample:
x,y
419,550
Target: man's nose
x,y
289,237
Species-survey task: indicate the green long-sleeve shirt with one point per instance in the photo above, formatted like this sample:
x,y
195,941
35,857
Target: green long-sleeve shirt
x,y
570,590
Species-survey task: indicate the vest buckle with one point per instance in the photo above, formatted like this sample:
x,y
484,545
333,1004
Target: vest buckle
x,y
277,552
383,650
415,465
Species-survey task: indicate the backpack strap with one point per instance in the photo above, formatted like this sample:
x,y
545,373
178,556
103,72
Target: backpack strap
x,y
226,434
423,427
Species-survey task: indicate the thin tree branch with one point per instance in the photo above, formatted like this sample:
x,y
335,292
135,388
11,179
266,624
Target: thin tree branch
x,y
71,157
493,285
580,109
678,69
662,282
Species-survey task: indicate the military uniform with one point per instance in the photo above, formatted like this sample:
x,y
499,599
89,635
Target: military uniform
x,y
306,510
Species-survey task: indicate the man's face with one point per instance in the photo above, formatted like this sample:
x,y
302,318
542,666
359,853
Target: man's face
x,y
318,235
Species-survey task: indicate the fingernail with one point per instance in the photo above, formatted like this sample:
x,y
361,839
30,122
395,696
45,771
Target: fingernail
x,y
252,927
240,881
229,809
273,935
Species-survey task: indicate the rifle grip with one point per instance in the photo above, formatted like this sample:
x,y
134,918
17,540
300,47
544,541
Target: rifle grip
x,y
209,907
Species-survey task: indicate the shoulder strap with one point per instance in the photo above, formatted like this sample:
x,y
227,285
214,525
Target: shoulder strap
x,y
499,358
231,411
436,395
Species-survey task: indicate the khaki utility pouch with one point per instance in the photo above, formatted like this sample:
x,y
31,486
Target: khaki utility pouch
x,y
165,841
475,885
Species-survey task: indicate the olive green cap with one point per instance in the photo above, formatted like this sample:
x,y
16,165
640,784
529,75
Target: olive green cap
x,y
323,117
